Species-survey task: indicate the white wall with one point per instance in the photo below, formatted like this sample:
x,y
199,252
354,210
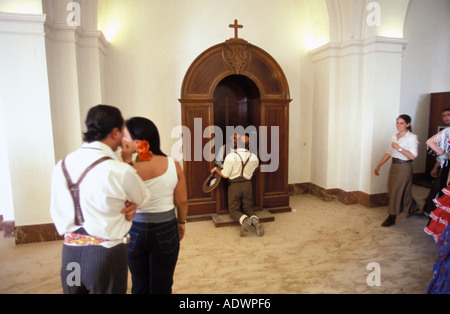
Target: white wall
x,y
156,41
381,98
43,108
357,79
426,65
75,66
25,106
62,63
21,6
6,207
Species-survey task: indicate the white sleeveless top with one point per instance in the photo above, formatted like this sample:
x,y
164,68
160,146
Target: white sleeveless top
x,y
161,191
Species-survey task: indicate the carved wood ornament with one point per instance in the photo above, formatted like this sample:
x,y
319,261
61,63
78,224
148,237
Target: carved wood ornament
x,y
236,55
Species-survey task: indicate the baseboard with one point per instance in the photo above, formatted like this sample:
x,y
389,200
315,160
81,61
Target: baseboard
x,y
36,233
347,198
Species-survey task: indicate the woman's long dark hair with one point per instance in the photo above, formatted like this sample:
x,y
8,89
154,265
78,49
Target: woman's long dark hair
x,y
407,119
143,129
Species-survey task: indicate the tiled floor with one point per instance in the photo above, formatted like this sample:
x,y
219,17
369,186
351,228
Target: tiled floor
x,y
319,247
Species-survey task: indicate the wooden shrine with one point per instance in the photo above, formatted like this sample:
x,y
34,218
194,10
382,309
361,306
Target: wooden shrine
x,y
230,84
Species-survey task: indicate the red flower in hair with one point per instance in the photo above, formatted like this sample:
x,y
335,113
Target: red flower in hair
x,y
142,146
143,149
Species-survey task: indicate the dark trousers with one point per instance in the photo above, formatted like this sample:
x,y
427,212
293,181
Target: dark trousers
x,y
152,256
240,199
435,191
94,269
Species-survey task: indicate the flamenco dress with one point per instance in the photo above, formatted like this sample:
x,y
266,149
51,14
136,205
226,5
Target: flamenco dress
x,y
440,283
440,217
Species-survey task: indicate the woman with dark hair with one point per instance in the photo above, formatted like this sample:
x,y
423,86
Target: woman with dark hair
x,y
157,230
403,150
144,129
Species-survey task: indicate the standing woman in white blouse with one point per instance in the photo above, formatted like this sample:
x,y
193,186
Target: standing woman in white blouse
x,y
159,224
403,150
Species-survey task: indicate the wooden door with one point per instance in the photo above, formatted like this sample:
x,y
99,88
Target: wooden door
x,y
275,114
237,103
236,83
197,115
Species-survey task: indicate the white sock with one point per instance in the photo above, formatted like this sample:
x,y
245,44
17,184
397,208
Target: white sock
x,y
241,220
254,219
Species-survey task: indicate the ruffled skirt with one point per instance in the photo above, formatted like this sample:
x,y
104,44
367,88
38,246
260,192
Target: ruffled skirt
x,y
440,217
440,283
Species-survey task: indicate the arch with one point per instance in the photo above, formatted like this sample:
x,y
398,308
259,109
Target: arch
x,y
319,20
348,20
393,17
234,57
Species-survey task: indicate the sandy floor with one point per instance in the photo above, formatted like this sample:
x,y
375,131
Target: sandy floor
x,y
317,248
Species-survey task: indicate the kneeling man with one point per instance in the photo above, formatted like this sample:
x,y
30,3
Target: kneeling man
x,y
238,168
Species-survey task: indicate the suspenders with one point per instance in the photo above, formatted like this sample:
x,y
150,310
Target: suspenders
x,y
75,188
243,164
241,178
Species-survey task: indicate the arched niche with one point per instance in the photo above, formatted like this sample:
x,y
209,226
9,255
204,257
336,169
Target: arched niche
x,y
234,58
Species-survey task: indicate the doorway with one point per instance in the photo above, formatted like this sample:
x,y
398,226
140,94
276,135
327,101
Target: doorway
x,y
237,103
236,83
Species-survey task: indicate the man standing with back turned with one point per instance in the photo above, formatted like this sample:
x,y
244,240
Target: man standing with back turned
x,y
238,168
90,188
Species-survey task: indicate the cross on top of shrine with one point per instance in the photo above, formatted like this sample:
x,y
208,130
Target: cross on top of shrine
x,y
236,26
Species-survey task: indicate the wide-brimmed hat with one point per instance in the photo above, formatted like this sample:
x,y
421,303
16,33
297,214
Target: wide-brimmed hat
x,y
211,182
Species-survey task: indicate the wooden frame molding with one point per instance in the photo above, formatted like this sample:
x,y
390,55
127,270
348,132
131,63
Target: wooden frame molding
x,y
347,198
236,57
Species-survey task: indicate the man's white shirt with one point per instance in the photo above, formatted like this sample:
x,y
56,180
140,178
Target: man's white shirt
x,y
232,166
103,192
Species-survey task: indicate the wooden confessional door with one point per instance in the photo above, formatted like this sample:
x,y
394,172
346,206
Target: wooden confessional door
x,y
237,103
235,83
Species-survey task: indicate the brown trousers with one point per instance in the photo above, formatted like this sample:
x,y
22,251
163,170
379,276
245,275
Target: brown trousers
x,y
399,189
240,199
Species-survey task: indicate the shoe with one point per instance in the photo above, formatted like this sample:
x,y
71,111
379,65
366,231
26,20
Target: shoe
x,y
415,212
390,221
245,227
258,227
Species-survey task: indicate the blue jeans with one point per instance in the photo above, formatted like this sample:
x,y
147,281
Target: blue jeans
x,y
152,256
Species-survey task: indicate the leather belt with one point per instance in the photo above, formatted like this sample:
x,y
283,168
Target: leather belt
x,y
400,161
